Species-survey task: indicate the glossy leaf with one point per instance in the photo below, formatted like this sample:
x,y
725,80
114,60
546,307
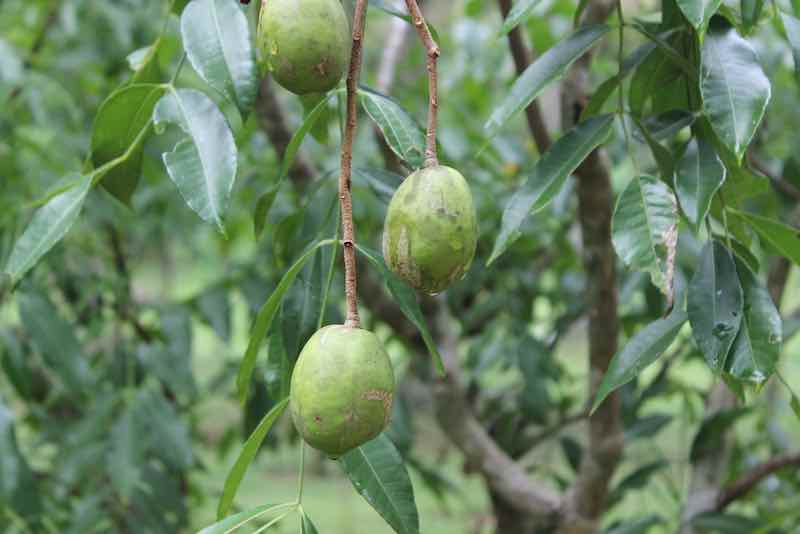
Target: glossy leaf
x,y
755,352
406,299
216,38
203,165
232,523
661,154
48,226
548,68
785,239
715,304
607,88
307,526
246,456
265,316
519,12
119,121
734,88
699,175
644,348
644,229
401,131
548,177
699,12
379,475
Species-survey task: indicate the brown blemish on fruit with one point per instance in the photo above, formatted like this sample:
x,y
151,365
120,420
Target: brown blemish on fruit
x,y
381,395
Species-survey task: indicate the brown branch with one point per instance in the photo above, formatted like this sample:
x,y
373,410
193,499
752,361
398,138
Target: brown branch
x,y
345,198
272,121
740,487
433,92
522,59
505,477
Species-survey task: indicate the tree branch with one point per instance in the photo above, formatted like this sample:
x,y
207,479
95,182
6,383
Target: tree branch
x,y
522,59
345,198
740,487
433,92
272,121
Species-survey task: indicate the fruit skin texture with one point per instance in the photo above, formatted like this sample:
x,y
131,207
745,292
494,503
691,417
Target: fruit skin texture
x,y
306,43
342,389
431,229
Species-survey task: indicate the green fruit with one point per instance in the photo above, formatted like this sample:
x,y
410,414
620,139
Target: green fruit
x,y
431,229
342,389
306,43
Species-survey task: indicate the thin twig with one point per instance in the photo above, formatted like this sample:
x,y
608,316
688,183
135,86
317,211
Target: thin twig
x,y
345,199
432,49
740,487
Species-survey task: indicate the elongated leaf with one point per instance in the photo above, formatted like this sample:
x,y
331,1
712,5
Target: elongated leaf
x,y
307,526
607,88
263,207
699,175
549,67
383,183
710,437
637,526
785,239
119,121
379,475
645,229
755,352
548,177
751,13
661,154
55,339
401,131
265,316
792,26
715,304
216,38
699,12
232,523
726,523
644,348
734,87
246,456
520,11
202,165
399,10
48,226
795,405
406,299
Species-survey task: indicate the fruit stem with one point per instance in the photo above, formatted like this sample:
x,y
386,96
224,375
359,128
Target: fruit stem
x,y
345,199
432,49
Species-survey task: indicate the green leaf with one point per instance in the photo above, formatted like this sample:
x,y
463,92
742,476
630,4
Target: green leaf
x,y
203,164
216,37
214,307
379,475
278,361
245,458
307,526
55,339
661,154
709,438
548,177
382,182
644,348
644,229
265,316
715,304
401,13
792,26
785,239
263,207
401,131
755,352
232,523
607,88
699,12
520,11
656,71
637,479
795,404
637,526
126,456
734,88
548,68
726,523
699,175
751,13
48,226
144,63
17,483
406,299
119,121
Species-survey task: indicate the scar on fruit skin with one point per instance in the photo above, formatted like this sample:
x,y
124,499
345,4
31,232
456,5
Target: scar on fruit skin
x,y
383,396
